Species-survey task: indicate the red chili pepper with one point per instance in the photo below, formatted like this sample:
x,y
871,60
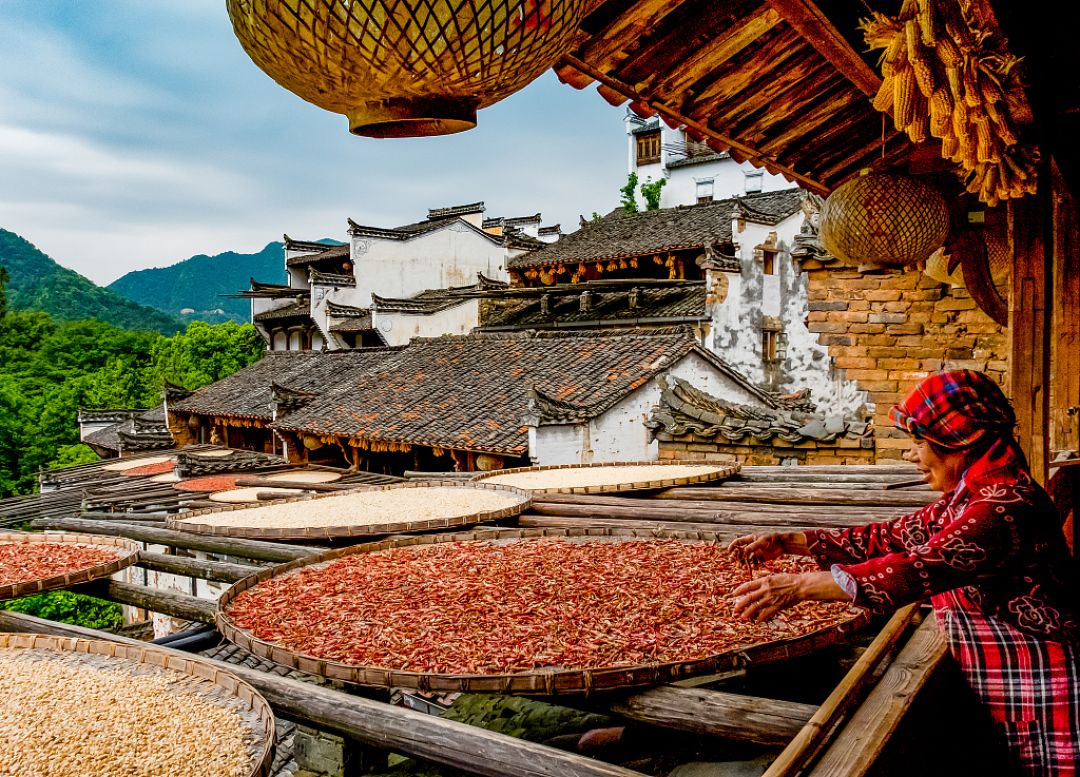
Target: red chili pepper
x,y
22,562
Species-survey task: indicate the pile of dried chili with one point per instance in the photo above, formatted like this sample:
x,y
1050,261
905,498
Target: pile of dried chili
x,y
496,607
22,562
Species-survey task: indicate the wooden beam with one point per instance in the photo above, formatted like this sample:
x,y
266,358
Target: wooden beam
x,y
715,713
1029,325
217,571
873,724
177,605
733,145
253,549
1065,391
446,742
820,33
706,531
801,496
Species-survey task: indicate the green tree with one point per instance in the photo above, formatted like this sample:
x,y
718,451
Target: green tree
x,y
73,455
68,607
205,353
627,199
3,290
650,190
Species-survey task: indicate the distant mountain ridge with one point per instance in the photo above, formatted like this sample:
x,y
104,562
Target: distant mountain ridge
x,y
197,284
37,282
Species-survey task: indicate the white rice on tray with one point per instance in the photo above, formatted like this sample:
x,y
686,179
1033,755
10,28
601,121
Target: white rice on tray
x,y
251,494
582,477
367,508
303,476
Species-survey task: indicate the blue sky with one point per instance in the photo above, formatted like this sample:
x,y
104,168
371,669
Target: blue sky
x,y
134,134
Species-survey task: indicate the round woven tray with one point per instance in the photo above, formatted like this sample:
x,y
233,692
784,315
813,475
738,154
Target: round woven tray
x,y
719,472
128,550
539,682
199,672
405,524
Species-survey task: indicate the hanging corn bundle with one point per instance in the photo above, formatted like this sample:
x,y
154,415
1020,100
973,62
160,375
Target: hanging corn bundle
x,y
946,75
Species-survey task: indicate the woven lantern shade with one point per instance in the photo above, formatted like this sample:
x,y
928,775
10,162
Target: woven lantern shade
x,y
402,68
937,268
884,219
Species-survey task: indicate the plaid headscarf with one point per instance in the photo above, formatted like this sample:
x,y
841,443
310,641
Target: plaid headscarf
x,y
955,410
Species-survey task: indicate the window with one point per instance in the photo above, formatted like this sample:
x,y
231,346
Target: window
x,y
281,341
755,179
648,147
768,262
704,190
768,346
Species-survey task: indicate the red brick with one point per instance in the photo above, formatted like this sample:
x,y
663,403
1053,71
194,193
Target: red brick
x,y
878,385
867,329
955,304
887,318
827,327
883,295
898,364
867,374
831,305
856,363
905,329
857,317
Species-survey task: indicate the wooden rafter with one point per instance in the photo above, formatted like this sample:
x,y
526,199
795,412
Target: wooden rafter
x,y
737,148
819,32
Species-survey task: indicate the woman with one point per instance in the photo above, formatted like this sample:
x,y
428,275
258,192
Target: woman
x,y
989,553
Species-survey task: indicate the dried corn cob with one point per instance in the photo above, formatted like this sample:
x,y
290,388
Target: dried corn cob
x,y
904,90
883,101
948,52
919,129
927,23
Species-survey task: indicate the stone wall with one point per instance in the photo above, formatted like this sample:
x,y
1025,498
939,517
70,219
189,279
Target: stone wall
x,y
776,452
890,330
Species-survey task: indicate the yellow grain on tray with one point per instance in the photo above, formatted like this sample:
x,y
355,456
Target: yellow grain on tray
x,y
83,714
366,508
583,477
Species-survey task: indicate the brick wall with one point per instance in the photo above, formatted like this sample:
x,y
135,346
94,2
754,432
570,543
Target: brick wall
x,y
888,331
692,448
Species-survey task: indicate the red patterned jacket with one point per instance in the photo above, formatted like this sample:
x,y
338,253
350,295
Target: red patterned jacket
x,y
996,538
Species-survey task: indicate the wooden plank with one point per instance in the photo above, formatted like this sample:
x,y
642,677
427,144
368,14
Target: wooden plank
x,y
672,114
680,505
812,496
834,469
1029,331
217,571
724,517
801,749
457,745
715,713
815,27
866,734
1065,392
253,549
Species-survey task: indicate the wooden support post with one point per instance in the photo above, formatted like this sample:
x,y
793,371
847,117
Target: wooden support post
x,y
1029,325
176,605
217,571
1065,392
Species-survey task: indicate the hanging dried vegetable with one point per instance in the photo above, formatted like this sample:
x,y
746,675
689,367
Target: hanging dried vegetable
x,y
488,607
947,75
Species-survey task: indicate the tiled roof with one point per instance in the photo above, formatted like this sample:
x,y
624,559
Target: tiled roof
x,y
513,237
330,279
648,125
472,392
620,234
678,301
345,311
407,231
431,301
331,252
293,310
247,393
353,324
456,210
697,159
684,410
133,430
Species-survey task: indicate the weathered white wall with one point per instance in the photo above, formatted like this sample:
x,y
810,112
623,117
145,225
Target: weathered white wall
x,y
449,256
620,433
399,328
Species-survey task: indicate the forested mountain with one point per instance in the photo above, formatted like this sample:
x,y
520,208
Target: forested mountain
x,y
36,282
198,283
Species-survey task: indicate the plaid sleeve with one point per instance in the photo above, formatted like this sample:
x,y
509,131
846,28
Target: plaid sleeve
x,y
860,543
982,540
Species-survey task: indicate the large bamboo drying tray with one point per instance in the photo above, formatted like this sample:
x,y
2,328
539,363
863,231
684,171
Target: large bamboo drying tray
x,y
189,521
128,550
548,682
199,673
654,481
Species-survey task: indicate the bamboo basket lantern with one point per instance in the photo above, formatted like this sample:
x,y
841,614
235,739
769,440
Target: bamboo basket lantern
x,y
884,219
405,68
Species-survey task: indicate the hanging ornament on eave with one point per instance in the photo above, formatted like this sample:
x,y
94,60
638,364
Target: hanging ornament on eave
x,y
884,219
404,68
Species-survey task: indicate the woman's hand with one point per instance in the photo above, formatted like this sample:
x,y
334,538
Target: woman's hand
x,y
763,597
756,548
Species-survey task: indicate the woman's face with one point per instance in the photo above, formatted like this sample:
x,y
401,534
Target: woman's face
x,y
942,471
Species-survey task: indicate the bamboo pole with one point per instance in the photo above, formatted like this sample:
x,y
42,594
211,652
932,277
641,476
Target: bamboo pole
x,y
814,735
217,571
